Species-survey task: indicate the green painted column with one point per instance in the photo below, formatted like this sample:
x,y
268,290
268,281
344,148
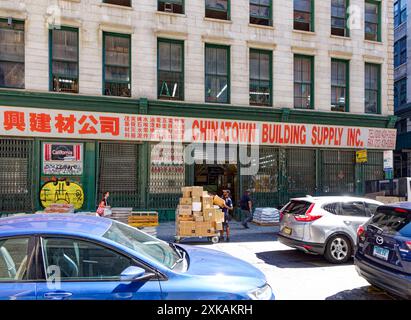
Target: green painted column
x,y
36,169
144,167
89,178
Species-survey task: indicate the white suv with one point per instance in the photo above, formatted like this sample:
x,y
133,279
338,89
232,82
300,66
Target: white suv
x,y
325,225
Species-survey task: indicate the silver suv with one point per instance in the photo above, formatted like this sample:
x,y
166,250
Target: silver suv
x,y
325,225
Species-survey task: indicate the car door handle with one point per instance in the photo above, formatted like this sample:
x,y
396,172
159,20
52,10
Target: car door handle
x,y
347,222
57,295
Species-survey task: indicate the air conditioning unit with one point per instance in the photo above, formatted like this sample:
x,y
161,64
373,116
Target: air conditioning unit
x,y
168,7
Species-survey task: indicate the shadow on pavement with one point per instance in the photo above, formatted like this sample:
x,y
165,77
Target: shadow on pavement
x,y
363,293
295,259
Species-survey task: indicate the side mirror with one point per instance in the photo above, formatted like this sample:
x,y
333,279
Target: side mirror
x,y
135,274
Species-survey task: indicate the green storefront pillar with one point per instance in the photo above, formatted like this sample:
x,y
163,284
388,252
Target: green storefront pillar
x,y
89,176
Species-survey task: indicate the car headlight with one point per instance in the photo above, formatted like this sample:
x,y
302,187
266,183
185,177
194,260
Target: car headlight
x,y
263,293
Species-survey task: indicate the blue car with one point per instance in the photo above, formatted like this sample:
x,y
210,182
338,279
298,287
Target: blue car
x,y
58,257
383,256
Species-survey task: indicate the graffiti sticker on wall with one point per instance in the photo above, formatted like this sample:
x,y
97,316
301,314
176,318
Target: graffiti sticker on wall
x,y
62,191
63,158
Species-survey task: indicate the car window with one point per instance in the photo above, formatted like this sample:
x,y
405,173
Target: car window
x,y
392,221
371,208
13,259
332,207
353,208
73,259
297,207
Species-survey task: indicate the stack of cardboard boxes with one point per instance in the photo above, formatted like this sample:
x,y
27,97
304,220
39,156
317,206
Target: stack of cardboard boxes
x,y
198,213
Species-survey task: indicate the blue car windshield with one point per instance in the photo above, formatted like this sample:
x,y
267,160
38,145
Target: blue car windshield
x,y
144,244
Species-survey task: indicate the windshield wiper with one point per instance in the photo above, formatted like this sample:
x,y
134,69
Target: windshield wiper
x,y
183,257
176,249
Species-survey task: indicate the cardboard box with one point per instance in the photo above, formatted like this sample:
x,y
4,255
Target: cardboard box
x,y
198,218
187,228
198,213
197,191
186,192
195,199
184,209
205,194
218,216
207,202
186,200
196,206
209,214
218,226
204,228
218,201
182,217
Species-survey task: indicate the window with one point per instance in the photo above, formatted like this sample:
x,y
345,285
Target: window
x,y
339,85
11,54
303,82
353,209
400,93
217,70
370,209
13,259
332,208
400,51
400,12
372,20
261,12
170,71
78,259
64,60
372,88
260,77
339,18
174,6
117,64
126,3
217,9
303,15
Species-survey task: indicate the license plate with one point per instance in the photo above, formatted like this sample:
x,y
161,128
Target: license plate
x,y
381,253
287,230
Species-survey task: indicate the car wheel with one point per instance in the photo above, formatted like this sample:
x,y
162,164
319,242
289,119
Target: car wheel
x,y
338,249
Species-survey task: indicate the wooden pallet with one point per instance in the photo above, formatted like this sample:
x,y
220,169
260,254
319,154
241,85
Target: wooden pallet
x,y
143,224
271,224
143,219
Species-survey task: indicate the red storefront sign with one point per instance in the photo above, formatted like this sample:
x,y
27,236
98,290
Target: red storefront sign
x,y
67,124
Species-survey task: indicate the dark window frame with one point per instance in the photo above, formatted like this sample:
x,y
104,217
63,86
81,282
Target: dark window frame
x,y
209,10
334,28
375,90
119,4
400,93
261,20
311,13
400,14
346,86
18,22
311,83
270,80
162,3
228,72
182,72
400,52
375,36
105,81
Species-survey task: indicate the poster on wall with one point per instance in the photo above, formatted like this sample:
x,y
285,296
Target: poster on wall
x,y
62,158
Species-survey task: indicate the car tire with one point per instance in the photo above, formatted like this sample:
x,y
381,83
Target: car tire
x,y
338,249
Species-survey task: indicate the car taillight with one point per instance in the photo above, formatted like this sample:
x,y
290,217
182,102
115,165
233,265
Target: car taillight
x,y
408,243
361,233
400,210
308,217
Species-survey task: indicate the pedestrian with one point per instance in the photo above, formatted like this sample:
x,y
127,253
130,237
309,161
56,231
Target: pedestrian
x,y
246,206
227,206
103,205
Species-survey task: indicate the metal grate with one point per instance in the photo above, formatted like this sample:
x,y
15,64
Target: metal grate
x,y
338,171
118,174
374,167
300,172
16,176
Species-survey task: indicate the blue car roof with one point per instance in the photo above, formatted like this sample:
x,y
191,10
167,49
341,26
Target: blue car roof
x,y
54,223
402,205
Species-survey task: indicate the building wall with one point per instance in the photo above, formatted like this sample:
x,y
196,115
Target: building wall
x,y
146,24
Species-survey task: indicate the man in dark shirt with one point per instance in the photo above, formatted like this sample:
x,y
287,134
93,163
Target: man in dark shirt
x,y
246,208
228,206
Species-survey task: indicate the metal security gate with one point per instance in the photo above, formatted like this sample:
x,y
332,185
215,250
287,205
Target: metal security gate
x,y
16,158
374,168
337,172
119,174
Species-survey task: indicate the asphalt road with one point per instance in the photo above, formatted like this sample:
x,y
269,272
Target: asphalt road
x,y
292,274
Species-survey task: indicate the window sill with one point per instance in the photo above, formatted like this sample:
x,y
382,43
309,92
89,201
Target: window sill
x,y
218,20
73,1
333,36
374,42
109,5
171,14
260,26
310,33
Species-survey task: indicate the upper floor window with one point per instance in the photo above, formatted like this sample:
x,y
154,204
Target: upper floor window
x,y
217,9
260,77
170,72
303,15
117,64
174,6
217,74
372,88
303,82
11,54
372,20
339,18
64,56
400,51
261,12
125,3
400,93
339,85
400,12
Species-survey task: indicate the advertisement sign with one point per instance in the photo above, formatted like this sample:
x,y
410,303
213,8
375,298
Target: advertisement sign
x,y
361,156
62,158
15,121
388,160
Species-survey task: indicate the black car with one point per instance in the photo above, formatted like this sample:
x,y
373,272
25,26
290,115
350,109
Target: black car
x,y
383,254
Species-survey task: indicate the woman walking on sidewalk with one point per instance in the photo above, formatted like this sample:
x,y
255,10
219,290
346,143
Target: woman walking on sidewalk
x,y
103,205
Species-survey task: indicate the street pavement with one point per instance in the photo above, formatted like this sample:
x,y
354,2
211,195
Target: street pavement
x,y
292,274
